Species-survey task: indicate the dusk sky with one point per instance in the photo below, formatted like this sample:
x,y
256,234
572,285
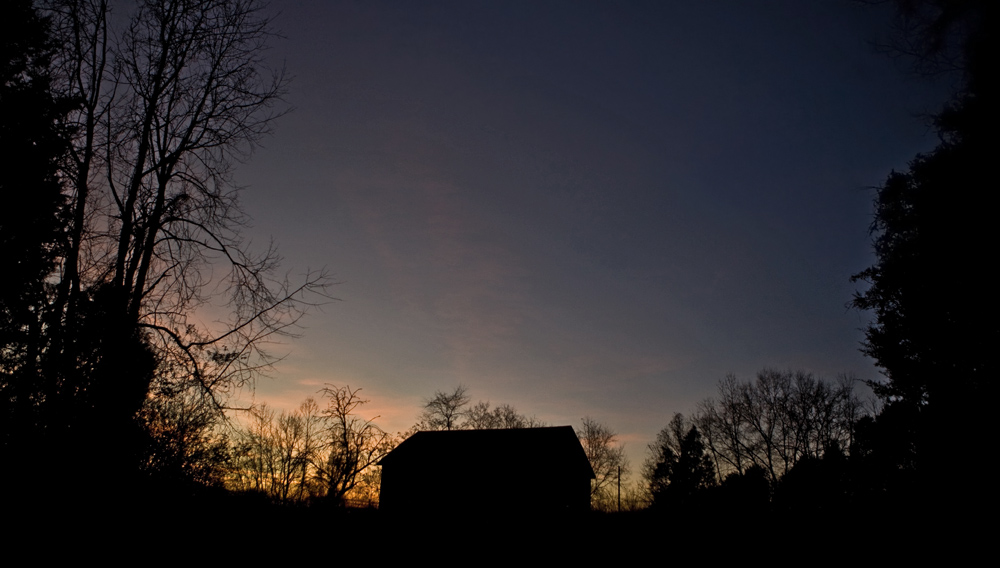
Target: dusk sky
x,y
578,208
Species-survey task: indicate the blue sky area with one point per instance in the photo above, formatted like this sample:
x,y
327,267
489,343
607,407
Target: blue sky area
x,y
578,208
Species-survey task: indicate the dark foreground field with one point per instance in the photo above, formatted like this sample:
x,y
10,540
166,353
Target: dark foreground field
x,y
225,528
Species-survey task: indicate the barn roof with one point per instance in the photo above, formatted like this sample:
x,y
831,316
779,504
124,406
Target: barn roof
x,y
540,449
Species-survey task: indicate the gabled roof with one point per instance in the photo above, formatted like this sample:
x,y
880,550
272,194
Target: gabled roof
x,y
539,449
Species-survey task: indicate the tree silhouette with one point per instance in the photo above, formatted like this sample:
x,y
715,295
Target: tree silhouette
x,y
931,288
130,222
935,307
776,420
354,444
31,139
185,446
608,460
33,142
445,411
500,417
678,467
311,453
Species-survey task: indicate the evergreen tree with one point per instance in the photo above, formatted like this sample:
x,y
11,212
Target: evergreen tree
x,y
32,142
931,289
679,467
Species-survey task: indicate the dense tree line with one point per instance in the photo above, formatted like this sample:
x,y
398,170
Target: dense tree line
x,y
776,421
312,453
747,443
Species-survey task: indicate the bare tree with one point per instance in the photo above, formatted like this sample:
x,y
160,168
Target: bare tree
x,y
726,435
168,102
269,454
776,420
608,460
445,411
254,453
451,411
367,491
935,36
354,444
297,439
195,97
83,65
311,453
500,417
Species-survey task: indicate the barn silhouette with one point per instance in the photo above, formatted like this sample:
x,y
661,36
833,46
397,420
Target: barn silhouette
x,y
525,469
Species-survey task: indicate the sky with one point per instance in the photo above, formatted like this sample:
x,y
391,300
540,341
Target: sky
x,y
578,208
